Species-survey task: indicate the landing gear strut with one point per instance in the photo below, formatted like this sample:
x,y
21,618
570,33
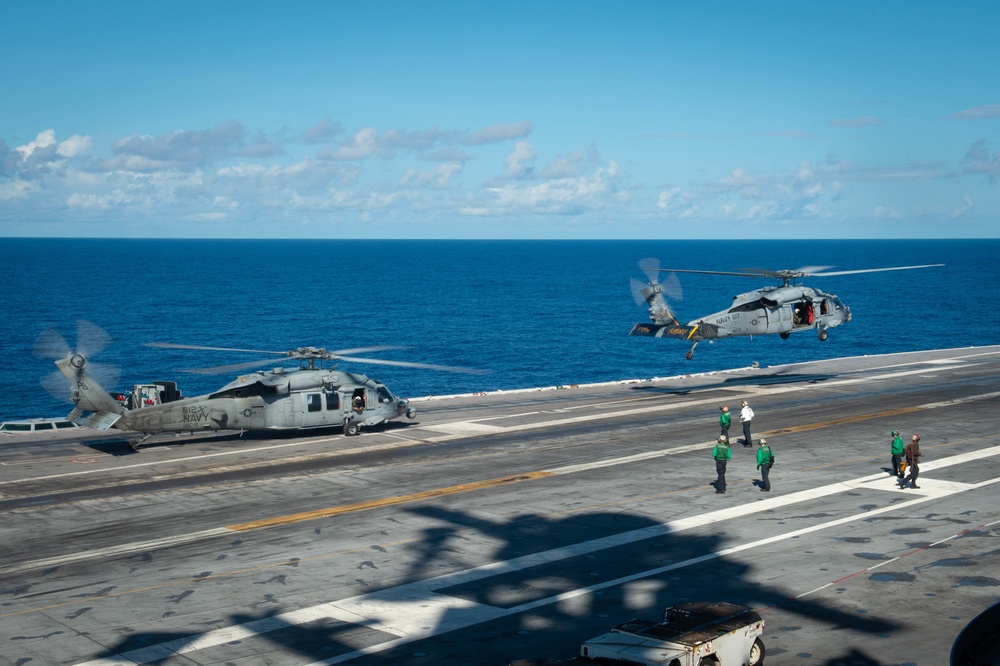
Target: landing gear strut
x,y
690,354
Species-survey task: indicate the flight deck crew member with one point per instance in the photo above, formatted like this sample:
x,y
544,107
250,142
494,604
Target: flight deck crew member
x,y
765,459
912,453
897,454
721,452
746,415
724,420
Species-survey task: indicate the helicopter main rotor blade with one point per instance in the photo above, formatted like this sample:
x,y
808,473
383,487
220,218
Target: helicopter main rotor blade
x,y
874,270
233,367
365,350
410,364
744,274
173,345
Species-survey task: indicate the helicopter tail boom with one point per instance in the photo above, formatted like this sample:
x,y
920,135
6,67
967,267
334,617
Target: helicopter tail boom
x,y
95,408
666,331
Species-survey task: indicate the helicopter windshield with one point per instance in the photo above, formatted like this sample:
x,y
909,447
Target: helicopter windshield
x,y
247,391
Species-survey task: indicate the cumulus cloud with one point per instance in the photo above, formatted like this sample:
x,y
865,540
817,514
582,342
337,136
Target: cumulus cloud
x,y
562,196
886,213
45,154
183,150
496,133
979,160
966,206
439,176
977,113
517,165
322,131
573,164
368,143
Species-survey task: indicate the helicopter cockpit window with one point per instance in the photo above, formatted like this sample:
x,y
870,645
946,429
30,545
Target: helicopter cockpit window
x,y
750,306
332,401
313,402
384,395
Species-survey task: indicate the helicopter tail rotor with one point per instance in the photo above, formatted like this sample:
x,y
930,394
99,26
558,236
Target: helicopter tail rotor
x,y
86,378
654,293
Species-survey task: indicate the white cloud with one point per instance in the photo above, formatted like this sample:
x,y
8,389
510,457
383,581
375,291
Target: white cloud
x,y
439,176
561,196
977,113
496,133
517,163
966,206
43,140
886,213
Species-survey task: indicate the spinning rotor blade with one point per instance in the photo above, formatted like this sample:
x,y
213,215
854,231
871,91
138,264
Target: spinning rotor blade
x,y
875,270
638,292
223,369
651,267
172,345
410,364
51,345
91,339
671,287
302,352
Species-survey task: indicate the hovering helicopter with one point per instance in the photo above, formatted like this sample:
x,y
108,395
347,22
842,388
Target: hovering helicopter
x,y
783,309
312,395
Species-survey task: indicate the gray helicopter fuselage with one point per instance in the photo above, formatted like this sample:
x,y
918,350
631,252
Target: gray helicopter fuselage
x,y
275,400
778,309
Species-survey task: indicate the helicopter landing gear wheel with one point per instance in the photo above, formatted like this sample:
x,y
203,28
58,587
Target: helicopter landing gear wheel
x,y
785,335
351,428
823,334
757,653
690,354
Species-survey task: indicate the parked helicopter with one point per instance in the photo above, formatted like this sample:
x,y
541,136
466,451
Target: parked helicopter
x,y
309,396
783,309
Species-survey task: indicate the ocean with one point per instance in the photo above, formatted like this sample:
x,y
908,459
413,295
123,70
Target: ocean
x,y
531,313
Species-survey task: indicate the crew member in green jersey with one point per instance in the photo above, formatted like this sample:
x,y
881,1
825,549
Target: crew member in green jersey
x,y
724,420
765,459
722,453
897,454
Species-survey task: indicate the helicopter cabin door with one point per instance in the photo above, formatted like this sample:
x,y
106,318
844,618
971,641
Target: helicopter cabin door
x,y
314,411
779,319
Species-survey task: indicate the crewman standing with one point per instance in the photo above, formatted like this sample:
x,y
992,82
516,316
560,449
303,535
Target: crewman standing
x,y
912,453
724,421
722,453
765,459
746,415
896,449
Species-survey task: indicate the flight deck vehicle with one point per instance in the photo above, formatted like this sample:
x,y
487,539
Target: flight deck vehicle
x,y
690,634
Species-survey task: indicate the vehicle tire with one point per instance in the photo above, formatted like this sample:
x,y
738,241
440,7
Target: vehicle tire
x,y
706,661
351,428
757,653
689,355
822,334
785,335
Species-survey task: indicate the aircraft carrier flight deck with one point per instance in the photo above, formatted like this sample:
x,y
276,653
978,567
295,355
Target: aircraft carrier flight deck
x,y
516,525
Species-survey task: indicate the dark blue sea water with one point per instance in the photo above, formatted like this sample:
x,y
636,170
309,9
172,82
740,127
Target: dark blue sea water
x,y
534,313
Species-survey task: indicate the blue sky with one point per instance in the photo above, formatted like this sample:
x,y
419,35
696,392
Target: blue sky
x,y
500,120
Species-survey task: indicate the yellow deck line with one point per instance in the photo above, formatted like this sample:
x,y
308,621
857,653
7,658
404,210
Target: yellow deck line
x,y
386,501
